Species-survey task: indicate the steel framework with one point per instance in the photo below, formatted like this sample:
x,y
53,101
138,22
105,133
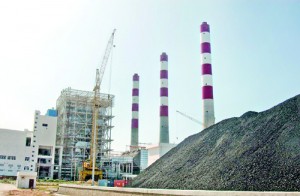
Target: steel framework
x,y
74,128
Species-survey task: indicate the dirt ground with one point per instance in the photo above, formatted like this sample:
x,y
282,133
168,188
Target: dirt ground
x,y
10,189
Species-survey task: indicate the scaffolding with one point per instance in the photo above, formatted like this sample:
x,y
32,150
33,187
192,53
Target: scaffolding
x,y
74,127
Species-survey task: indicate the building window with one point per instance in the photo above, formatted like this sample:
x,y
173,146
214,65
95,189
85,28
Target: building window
x,y
26,168
2,157
1,164
11,157
30,169
27,158
9,170
34,141
1,169
45,125
18,166
31,165
44,151
32,155
28,141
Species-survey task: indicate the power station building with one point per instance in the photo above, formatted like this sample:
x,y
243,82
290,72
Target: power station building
x,y
60,140
74,128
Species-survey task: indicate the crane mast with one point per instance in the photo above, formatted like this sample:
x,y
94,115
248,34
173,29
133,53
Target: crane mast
x,y
89,167
96,104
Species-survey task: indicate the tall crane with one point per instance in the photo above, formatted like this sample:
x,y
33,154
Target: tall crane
x,y
189,117
89,168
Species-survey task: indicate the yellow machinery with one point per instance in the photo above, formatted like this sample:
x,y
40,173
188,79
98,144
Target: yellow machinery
x,y
89,168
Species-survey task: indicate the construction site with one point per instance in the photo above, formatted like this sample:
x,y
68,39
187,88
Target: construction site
x,y
74,128
150,98
84,126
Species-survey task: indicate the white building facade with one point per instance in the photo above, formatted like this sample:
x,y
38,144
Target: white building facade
x,y
32,151
43,144
15,152
157,151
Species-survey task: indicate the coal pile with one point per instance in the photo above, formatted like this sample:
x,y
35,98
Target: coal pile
x,y
254,152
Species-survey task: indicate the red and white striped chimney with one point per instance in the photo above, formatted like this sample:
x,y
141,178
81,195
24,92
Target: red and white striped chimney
x,y
135,113
207,82
164,109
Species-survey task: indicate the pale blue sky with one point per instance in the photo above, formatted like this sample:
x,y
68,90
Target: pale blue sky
x,y
46,46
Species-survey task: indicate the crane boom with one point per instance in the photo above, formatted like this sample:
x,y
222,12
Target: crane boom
x,y
189,117
109,46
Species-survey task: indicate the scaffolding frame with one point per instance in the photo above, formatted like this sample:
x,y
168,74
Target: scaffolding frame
x,y
74,128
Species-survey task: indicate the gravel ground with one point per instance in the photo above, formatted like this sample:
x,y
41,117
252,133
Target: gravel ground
x,y
10,189
254,152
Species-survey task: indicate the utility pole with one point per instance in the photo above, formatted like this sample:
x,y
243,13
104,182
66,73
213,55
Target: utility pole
x,y
94,153
75,169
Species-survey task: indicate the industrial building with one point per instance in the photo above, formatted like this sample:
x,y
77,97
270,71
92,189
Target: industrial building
x,y
15,152
157,151
43,141
32,151
74,127
61,140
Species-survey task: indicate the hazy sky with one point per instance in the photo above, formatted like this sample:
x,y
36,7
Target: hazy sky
x,y
46,46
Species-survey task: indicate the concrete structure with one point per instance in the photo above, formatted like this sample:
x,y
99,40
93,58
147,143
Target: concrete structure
x,y
164,114
15,152
140,159
207,82
31,151
26,180
43,144
115,191
74,127
135,113
157,151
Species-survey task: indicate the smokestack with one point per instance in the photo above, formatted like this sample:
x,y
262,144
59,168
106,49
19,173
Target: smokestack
x,y
164,116
135,113
207,83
